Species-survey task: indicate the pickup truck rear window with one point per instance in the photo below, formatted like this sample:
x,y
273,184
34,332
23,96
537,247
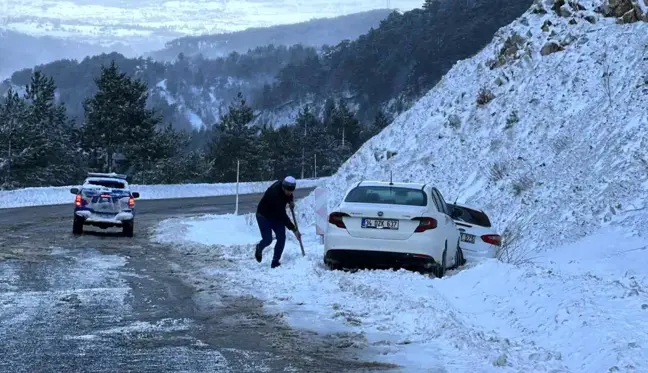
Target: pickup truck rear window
x,y
114,184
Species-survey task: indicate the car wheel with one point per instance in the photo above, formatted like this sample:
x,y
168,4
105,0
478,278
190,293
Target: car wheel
x,y
459,257
77,226
439,270
129,228
332,265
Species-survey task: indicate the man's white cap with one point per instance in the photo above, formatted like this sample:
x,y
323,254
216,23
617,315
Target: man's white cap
x,y
289,183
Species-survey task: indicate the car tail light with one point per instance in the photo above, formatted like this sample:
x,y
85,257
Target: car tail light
x,y
493,239
106,196
335,218
425,224
131,202
78,201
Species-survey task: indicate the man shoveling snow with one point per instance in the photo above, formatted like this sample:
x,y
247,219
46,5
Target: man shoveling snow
x,y
271,216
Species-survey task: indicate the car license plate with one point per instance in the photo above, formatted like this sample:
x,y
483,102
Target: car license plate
x,y
380,223
470,238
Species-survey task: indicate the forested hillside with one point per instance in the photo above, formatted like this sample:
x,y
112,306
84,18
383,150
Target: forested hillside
x,y
313,33
189,92
338,95
40,145
390,66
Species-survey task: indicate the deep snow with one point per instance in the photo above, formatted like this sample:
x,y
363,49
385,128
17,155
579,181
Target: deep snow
x,y
557,159
578,309
61,195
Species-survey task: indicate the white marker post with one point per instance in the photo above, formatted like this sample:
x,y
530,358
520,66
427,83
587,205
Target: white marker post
x,y
321,209
238,165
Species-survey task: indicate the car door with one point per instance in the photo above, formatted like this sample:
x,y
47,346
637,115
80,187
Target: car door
x,y
449,226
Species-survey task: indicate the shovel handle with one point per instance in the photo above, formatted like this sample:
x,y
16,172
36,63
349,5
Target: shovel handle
x,y
301,245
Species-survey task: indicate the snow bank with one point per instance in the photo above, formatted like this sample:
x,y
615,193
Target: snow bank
x,y
577,310
61,195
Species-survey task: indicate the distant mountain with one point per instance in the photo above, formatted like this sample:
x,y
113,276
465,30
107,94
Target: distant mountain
x,y
387,68
316,32
19,51
146,25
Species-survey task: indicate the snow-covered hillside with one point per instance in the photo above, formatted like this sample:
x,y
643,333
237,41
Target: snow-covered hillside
x,y
147,24
559,152
203,106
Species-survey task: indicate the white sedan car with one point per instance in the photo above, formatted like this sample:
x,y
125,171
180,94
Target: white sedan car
x,y
385,224
478,237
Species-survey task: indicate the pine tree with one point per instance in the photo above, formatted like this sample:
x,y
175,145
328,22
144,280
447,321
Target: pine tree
x,y
344,126
267,148
236,141
317,145
431,5
36,138
53,134
117,120
14,144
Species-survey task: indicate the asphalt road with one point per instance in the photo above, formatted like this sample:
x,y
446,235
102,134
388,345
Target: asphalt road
x,y
105,303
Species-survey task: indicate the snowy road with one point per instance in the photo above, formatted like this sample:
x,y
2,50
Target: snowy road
x,y
105,303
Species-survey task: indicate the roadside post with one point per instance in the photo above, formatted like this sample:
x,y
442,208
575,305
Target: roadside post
x,y
238,165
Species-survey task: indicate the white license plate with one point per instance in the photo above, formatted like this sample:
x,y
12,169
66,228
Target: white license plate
x,y
379,223
470,238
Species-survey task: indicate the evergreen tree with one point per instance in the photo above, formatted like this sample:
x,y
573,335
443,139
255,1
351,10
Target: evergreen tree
x,y
318,145
52,133
236,141
431,5
344,126
36,138
117,120
14,139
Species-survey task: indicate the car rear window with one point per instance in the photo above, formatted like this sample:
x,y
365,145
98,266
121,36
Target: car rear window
x,y
107,183
471,216
387,195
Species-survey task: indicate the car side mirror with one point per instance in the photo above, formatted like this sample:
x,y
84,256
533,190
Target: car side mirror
x,y
135,195
74,190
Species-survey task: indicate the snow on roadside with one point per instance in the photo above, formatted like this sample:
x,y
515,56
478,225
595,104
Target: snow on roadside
x,y
61,195
563,314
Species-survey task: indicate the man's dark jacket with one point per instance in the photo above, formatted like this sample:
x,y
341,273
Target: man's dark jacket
x,y
273,205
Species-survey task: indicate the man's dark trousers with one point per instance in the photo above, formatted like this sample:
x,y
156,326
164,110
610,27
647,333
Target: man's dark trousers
x,y
266,227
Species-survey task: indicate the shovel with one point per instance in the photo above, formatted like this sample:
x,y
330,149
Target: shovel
x,y
301,245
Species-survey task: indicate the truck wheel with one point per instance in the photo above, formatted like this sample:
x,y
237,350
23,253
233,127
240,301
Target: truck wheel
x,y
128,228
77,226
